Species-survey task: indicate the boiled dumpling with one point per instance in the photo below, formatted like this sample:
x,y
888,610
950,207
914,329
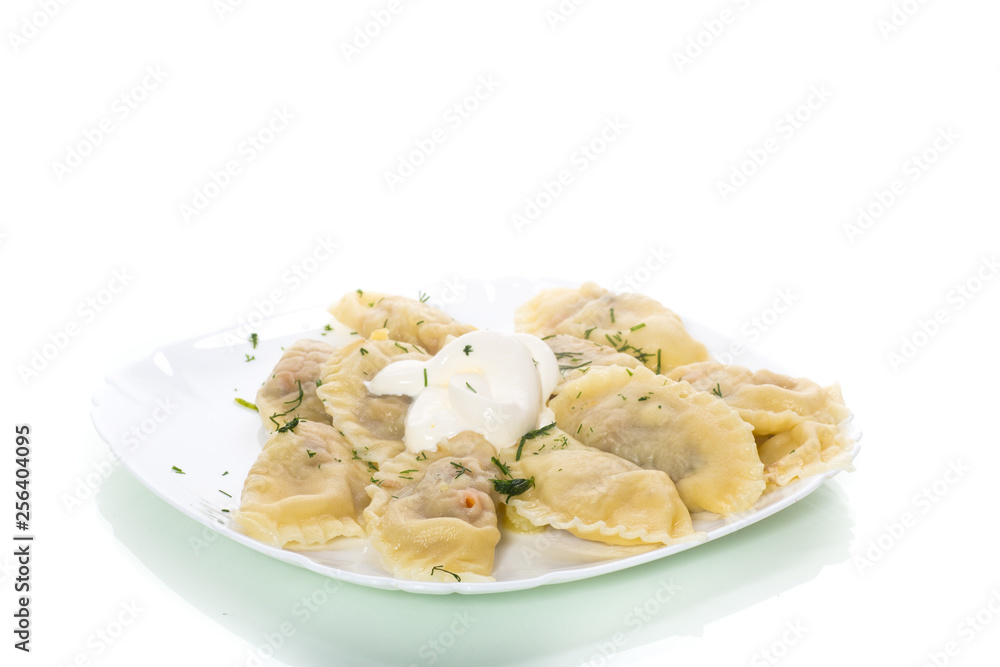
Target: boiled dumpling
x,y
304,489
631,323
800,425
769,401
441,525
373,425
654,422
593,494
406,320
290,390
575,355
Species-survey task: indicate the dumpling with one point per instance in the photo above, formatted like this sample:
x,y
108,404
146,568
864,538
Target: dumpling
x,y
290,390
442,524
631,323
406,320
574,355
806,449
769,401
304,489
373,425
654,422
800,425
593,494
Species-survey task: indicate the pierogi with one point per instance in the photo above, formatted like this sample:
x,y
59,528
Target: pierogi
x,y
642,439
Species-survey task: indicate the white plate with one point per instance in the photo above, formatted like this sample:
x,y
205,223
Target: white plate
x,y
176,408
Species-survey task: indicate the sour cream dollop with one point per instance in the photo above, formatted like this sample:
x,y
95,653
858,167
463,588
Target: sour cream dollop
x,y
493,383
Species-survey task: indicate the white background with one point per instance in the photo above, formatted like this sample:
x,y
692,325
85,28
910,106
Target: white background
x,y
810,112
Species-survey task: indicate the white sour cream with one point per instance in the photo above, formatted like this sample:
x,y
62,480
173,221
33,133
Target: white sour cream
x,y
493,383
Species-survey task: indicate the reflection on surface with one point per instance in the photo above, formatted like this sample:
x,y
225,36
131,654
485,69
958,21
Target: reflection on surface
x,y
304,618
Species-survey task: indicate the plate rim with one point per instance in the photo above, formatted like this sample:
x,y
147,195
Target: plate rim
x,y
796,491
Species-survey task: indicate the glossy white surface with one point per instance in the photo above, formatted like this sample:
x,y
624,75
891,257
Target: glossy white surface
x,y
882,566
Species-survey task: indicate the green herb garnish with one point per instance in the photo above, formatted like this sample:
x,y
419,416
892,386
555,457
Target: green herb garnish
x,y
717,390
224,493
499,464
289,425
297,400
461,469
253,340
310,453
177,470
247,404
441,567
467,349
512,487
531,435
